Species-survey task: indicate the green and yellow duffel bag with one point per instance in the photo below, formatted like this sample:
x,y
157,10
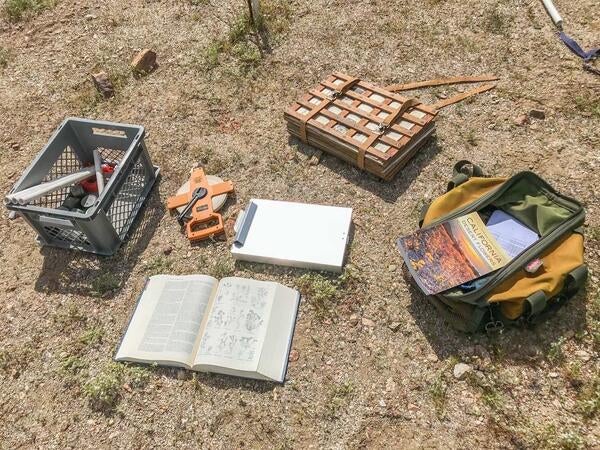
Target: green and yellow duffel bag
x,y
514,294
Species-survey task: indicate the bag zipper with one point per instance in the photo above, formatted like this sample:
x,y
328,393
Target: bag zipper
x,y
527,255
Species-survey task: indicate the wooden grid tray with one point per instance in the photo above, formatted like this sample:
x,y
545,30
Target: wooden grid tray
x,y
370,127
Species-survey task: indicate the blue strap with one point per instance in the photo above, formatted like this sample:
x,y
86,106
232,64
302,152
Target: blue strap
x,y
576,48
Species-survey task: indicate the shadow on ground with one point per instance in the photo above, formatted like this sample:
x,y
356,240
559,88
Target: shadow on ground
x,y
389,191
522,344
72,272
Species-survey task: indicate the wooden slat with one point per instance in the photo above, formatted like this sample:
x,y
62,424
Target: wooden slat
x,y
343,145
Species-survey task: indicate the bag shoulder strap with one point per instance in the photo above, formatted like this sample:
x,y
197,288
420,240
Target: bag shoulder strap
x,y
447,81
461,173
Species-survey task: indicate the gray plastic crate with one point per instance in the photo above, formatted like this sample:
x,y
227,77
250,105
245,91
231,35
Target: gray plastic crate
x,y
103,227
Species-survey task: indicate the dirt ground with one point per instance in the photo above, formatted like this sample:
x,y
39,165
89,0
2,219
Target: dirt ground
x,y
375,362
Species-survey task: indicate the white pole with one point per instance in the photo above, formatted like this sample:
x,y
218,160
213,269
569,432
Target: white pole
x,y
34,192
553,12
99,175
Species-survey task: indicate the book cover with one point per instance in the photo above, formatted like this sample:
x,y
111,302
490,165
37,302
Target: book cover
x,y
451,253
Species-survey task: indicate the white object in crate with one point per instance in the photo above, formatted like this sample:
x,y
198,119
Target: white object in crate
x,y
33,193
293,234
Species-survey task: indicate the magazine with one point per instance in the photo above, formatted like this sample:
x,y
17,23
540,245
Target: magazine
x,y
451,253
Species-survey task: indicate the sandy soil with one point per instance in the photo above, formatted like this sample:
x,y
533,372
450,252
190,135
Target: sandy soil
x,y
357,382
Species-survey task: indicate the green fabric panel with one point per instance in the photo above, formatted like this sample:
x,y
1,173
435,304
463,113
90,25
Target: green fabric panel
x,y
461,316
528,202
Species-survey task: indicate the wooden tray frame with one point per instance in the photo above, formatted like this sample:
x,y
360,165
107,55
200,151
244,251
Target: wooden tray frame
x,y
318,102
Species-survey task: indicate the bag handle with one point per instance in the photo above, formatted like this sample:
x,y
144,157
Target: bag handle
x,y
539,307
462,173
447,81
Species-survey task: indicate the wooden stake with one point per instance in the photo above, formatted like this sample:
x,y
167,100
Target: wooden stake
x,y
254,11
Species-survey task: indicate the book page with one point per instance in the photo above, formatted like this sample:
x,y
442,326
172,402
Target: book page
x,y
276,349
236,325
166,323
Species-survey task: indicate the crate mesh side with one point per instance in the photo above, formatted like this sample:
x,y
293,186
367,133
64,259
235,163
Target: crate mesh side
x,y
128,200
74,238
66,164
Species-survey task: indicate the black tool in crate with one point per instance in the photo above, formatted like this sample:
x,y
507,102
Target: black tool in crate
x,y
128,178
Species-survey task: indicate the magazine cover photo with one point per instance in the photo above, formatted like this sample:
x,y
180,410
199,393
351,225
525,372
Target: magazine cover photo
x,y
451,253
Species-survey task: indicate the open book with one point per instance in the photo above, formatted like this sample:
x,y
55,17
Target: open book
x,y
235,326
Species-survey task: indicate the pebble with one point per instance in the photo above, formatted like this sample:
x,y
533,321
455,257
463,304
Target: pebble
x,y
90,17
553,374
367,322
521,120
460,370
583,355
395,326
294,355
390,385
167,250
103,84
354,319
537,114
392,268
144,62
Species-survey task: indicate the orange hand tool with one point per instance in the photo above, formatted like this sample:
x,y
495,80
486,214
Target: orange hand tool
x,y
198,216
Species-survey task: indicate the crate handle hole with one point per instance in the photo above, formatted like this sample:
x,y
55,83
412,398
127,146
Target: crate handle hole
x,y
109,132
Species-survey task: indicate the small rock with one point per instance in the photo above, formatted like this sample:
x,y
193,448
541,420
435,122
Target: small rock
x,y
103,84
90,17
570,334
127,388
521,120
144,62
15,146
382,403
367,322
583,355
313,161
392,268
354,319
460,370
390,385
432,357
394,326
553,374
167,249
12,215
294,355
537,114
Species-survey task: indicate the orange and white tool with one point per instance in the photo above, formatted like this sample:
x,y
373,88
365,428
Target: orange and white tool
x,y
197,203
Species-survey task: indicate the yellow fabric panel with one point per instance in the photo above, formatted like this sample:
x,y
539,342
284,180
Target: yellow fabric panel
x,y
460,196
558,260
